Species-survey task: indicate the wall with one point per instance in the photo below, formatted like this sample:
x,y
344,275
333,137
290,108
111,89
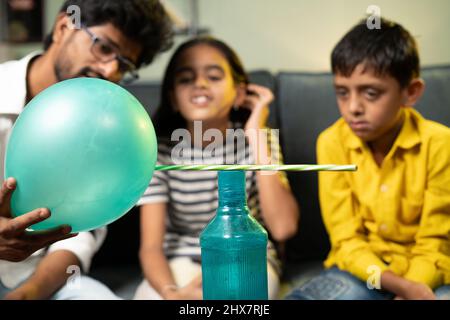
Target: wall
x,y
296,34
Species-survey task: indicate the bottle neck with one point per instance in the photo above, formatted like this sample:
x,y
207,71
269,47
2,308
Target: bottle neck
x,y
232,193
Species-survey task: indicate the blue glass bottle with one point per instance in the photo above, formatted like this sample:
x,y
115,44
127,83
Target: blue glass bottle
x,y
234,246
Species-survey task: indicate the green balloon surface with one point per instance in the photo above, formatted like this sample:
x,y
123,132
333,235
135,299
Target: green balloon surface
x,y
84,148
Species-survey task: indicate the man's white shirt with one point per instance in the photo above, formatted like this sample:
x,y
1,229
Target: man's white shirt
x,y
13,93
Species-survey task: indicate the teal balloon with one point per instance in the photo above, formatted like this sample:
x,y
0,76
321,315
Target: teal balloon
x,y
84,148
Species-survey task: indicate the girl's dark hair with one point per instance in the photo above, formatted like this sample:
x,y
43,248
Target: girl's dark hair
x,y
390,50
143,21
166,120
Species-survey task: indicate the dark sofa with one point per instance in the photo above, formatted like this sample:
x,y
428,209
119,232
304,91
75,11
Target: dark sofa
x,y
305,105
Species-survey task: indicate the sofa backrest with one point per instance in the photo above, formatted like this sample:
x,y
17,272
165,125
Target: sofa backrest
x,y
435,103
306,106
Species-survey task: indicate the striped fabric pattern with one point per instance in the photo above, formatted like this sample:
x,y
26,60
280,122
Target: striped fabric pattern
x,y
192,196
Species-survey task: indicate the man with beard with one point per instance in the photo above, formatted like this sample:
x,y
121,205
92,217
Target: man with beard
x,y
112,41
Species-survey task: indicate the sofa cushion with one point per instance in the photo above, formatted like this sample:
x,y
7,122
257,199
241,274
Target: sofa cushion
x,y
435,103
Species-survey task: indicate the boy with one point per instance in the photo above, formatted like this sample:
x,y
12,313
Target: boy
x,y
389,223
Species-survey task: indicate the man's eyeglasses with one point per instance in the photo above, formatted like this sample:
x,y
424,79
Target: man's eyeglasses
x,y
105,52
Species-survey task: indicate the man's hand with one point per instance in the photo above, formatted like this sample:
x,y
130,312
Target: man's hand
x,y
16,244
49,276
27,291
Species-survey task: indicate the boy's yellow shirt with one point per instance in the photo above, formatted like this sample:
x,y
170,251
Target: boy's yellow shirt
x,y
396,217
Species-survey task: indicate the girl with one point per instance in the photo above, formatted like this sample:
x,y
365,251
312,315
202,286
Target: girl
x,y
206,92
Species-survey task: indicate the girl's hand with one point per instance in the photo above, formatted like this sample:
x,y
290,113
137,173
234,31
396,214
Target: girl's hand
x,y
16,244
257,101
192,291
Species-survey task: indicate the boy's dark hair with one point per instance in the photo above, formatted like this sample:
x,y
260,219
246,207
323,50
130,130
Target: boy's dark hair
x,y
143,21
166,120
390,50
